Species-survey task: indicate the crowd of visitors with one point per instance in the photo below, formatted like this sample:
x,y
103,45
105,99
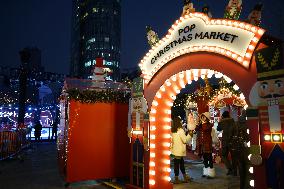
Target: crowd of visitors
x,y
233,145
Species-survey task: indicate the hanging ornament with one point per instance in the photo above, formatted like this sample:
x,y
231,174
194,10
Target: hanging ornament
x,y
152,36
233,9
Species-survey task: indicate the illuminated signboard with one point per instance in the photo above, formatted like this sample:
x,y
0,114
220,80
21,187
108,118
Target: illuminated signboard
x,y
197,32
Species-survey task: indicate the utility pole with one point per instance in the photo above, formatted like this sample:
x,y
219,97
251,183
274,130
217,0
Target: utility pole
x,y
25,56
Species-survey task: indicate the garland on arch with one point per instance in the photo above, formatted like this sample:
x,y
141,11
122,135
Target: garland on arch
x,y
99,96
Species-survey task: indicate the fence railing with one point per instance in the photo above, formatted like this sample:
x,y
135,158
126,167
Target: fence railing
x,y
12,142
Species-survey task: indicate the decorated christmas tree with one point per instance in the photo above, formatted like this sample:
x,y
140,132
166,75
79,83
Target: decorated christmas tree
x,y
152,36
254,17
233,9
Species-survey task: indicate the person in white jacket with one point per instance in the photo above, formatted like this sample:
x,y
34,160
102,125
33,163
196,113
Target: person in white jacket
x,y
178,149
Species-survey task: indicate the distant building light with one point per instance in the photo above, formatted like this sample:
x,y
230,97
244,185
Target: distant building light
x,y
85,15
106,63
89,63
108,78
92,40
95,10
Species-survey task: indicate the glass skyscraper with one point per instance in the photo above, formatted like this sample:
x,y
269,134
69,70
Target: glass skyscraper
x,y
96,32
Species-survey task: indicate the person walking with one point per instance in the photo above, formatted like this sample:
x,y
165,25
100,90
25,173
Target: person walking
x,y
243,162
206,145
226,125
38,128
178,149
54,131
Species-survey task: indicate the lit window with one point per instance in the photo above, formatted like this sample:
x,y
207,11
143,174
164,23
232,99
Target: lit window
x,y
115,12
85,15
106,63
95,10
89,63
106,39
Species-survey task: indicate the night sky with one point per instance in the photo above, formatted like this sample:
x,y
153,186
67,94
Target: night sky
x,y
46,24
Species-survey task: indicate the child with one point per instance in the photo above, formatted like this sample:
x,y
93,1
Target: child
x,y
206,145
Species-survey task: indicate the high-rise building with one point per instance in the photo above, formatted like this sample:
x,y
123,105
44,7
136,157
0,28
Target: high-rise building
x,y
96,31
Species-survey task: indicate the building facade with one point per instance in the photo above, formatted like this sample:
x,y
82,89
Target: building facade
x,y
96,31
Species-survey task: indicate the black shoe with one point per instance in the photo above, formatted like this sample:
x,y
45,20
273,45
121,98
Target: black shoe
x,y
230,172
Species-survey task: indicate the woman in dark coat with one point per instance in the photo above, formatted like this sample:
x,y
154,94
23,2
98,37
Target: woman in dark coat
x,y
206,145
226,125
38,128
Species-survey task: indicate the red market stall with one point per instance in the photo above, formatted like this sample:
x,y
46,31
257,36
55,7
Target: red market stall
x,y
92,140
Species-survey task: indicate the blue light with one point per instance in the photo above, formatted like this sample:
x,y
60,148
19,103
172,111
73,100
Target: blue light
x,y
30,108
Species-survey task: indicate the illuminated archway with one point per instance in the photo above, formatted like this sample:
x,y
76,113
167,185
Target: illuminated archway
x,y
188,51
160,123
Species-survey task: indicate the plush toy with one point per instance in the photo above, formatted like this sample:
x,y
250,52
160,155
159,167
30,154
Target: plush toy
x,y
254,17
191,124
152,36
233,9
187,7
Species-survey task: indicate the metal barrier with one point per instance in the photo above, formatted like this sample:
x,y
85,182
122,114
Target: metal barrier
x,y
12,142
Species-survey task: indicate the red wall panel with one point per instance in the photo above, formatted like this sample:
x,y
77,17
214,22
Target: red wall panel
x,y
98,145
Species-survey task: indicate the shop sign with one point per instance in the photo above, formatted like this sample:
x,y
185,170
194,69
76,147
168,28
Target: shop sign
x,y
199,33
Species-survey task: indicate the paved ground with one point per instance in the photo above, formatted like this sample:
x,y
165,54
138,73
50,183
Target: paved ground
x,y
39,170
221,181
